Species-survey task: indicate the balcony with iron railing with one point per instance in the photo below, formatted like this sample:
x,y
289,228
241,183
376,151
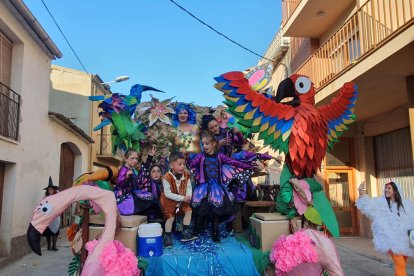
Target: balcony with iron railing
x,y
277,49
9,112
369,28
105,147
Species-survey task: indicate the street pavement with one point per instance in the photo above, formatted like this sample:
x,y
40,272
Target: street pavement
x,y
51,263
358,258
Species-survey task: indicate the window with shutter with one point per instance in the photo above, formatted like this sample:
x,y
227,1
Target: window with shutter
x,y
9,100
6,48
393,160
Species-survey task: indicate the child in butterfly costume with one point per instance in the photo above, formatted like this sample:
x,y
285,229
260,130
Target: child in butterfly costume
x,y
132,200
211,197
151,182
243,187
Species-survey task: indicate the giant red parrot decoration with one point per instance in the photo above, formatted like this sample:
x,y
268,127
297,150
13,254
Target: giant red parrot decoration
x,y
291,123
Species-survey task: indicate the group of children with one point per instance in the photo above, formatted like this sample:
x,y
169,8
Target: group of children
x,y
207,187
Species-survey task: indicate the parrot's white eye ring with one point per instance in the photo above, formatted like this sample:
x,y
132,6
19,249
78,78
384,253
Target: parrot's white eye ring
x,y
303,85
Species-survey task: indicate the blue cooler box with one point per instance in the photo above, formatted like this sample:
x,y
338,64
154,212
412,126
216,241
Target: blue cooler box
x,y
149,240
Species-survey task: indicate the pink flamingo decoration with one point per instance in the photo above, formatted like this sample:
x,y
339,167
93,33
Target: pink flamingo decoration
x,y
52,206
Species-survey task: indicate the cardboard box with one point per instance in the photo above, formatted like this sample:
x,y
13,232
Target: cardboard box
x,y
128,236
268,227
126,221
270,216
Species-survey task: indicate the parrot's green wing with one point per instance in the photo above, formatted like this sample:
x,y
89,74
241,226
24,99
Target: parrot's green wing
x,y
256,111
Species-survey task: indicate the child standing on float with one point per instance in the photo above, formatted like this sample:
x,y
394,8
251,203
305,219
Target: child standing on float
x,y
211,198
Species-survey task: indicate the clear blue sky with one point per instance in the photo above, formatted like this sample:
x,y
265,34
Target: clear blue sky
x,y
157,44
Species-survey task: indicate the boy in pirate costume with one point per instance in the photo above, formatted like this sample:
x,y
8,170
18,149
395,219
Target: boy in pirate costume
x,y
176,197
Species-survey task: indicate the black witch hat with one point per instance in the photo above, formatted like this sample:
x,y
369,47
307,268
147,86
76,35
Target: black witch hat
x,y
51,184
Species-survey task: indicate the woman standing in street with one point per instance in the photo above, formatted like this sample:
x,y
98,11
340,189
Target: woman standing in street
x,y
392,220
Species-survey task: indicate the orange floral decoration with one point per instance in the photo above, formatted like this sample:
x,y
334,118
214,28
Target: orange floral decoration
x,y
71,232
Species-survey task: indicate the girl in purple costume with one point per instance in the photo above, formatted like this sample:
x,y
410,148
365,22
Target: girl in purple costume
x,y
131,200
243,187
211,198
151,181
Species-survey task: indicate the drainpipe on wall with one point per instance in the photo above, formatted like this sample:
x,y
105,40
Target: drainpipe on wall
x,y
90,165
24,15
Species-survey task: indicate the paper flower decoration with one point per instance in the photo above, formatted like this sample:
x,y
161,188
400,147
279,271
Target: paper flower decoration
x,y
291,251
116,259
158,110
159,131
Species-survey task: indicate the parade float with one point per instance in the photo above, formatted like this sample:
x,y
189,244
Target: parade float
x,y
295,127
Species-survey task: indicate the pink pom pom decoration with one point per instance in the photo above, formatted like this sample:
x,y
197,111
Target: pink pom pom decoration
x,y
115,259
118,260
291,251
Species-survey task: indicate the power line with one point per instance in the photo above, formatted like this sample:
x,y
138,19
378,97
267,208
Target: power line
x,y
218,32
64,36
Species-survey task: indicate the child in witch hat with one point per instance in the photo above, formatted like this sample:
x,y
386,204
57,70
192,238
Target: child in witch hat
x,y
52,231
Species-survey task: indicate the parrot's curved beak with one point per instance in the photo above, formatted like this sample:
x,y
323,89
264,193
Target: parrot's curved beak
x,y
33,238
286,93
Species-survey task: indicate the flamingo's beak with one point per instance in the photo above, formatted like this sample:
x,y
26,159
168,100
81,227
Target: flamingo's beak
x,y
33,238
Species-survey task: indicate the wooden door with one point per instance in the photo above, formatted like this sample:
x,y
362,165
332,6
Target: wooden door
x,y
341,196
66,174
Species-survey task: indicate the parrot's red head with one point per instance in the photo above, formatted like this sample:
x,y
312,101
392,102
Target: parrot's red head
x,y
296,90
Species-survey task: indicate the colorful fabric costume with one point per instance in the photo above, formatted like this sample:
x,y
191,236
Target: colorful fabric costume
x,y
214,173
189,141
389,227
236,139
130,199
148,185
243,187
291,124
173,195
249,157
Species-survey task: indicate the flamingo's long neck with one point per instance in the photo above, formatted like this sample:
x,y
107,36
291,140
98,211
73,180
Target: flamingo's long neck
x,y
105,200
